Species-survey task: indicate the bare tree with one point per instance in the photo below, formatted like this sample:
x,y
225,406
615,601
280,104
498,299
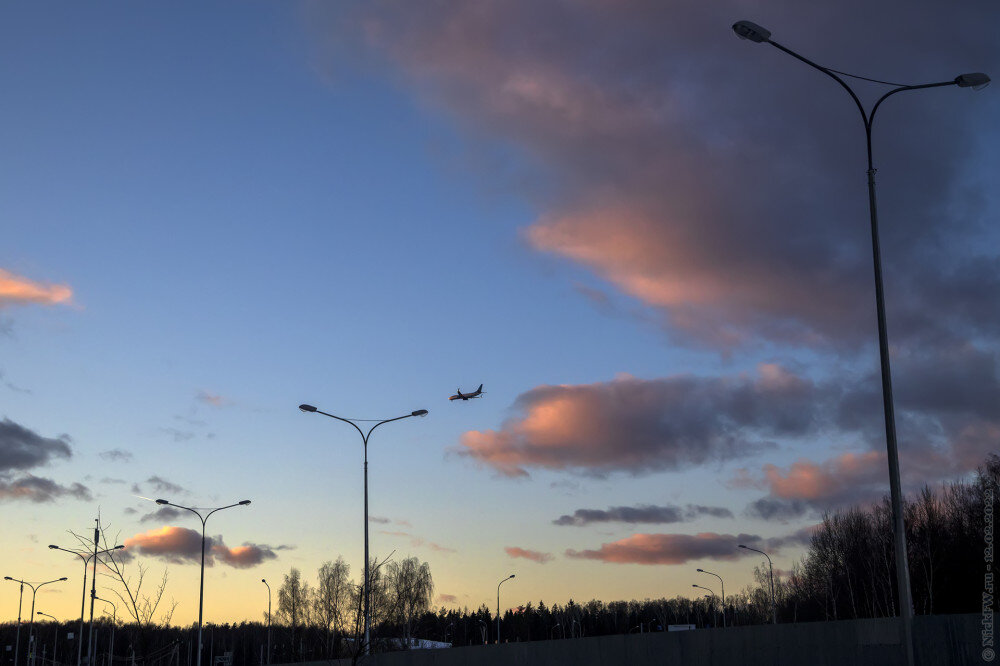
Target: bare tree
x,y
332,601
294,610
410,590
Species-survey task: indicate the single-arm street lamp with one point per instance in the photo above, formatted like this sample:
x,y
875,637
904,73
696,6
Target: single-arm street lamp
x,y
17,639
976,81
723,592
268,620
114,621
55,643
774,607
711,597
364,440
31,622
201,585
83,600
498,604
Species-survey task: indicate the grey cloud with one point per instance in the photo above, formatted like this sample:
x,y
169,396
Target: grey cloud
x,y
163,514
116,455
646,513
36,489
22,449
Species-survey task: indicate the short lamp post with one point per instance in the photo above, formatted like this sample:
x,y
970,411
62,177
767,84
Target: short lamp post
x,y
309,409
498,604
723,583
201,585
55,640
268,620
977,80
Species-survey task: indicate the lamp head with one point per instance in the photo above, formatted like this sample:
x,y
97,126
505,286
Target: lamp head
x,y
751,31
741,546
53,547
419,412
119,547
7,578
512,575
700,570
244,502
693,585
162,501
307,408
975,80
263,580
64,578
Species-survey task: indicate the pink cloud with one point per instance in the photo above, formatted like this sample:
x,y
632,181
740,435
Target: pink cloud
x,y
213,399
447,599
19,290
533,555
639,425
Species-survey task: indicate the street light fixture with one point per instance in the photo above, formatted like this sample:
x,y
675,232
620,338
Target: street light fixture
x,y
774,607
498,604
364,440
31,623
83,599
268,620
723,592
976,81
711,597
201,585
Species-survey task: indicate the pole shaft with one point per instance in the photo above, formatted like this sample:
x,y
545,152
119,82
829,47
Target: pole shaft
x,y
201,586
899,526
17,640
83,609
367,566
93,595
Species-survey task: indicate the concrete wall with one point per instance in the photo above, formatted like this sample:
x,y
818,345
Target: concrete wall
x,y
946,639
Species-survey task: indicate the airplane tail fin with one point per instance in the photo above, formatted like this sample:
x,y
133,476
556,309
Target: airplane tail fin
x,y
480,388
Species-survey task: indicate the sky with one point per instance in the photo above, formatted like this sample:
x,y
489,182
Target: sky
x,y
646,237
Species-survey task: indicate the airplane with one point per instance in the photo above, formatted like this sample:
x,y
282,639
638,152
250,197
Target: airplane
x,y
478,393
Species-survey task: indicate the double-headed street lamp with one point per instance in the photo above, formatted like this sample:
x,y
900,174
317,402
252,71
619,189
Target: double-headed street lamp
x,y
976,81
268,620
498,604
201,585
55,644
83,599
774,607
31,623
723,583
364,440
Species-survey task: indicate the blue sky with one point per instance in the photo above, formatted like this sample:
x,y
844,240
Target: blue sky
x,y
363,208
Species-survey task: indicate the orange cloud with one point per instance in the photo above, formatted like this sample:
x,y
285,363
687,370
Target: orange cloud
x,y
18,290
807,480
447,599
533,555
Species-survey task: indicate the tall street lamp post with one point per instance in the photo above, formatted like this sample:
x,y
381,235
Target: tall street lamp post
x,y
83,598
498,604
364,440
55,644
723,583
201,585
268,620
31,622
774,607
976,81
